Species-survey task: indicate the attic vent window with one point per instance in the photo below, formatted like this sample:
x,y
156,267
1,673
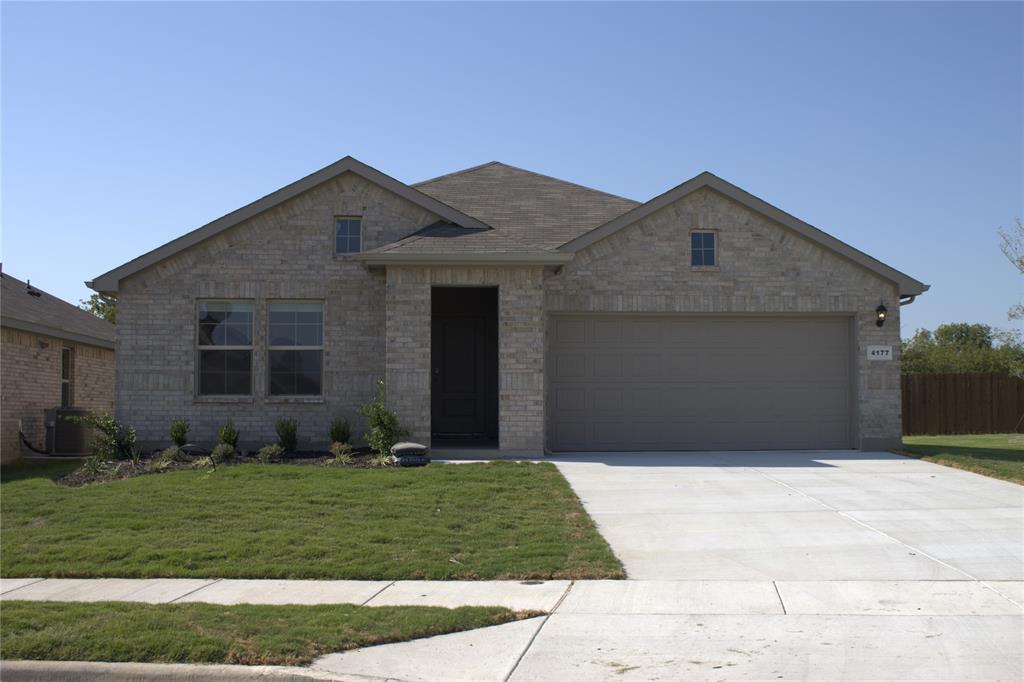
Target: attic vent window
x,y
348,235
702,249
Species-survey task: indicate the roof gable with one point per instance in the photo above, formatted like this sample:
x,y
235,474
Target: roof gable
x,y
908,285
50,316
108,282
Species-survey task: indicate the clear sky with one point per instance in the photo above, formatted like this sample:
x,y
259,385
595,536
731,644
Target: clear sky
x,y
895,127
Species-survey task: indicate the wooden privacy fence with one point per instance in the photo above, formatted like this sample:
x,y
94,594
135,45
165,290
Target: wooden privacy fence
x,y
935,404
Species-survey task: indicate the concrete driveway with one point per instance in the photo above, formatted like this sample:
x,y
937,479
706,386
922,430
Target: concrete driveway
x,y
764,566
800,516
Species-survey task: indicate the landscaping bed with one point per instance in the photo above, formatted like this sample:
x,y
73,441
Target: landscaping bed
x,y
245,634
498,520
94,471
999,455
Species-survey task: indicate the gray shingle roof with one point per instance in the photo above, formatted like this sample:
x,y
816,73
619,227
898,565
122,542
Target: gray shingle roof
x,y
537,210
49,315
447,239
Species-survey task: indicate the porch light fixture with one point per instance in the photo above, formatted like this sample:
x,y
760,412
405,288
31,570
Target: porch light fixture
x,y
880,311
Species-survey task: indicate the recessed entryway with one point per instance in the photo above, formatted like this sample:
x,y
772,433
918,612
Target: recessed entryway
x,y
464,366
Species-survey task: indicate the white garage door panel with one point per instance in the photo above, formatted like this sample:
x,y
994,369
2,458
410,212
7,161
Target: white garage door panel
x,y
686,383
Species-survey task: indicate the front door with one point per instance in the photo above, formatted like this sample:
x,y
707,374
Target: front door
x,y
464,355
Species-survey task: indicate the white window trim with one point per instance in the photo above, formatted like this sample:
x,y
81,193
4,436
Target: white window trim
x,y
200,347
323,326
334,236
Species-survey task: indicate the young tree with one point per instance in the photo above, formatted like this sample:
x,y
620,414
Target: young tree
x,y
102,306
1012,244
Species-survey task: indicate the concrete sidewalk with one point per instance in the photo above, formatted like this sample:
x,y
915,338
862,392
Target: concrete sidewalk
x,y
623,629
531,595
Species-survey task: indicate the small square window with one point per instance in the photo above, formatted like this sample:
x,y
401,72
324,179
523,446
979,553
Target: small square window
x,y
348,235
702,249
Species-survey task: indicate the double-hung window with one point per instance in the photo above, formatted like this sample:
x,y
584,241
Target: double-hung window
x,y
702,248
225,347
66,370
296,347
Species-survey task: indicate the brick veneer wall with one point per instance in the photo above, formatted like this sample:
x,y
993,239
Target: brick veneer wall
x,y
520,347
30,384
284,253
763,267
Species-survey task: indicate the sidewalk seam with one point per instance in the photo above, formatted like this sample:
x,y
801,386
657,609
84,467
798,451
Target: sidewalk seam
x,y
15,589
201,587
377,593
775,584
529,644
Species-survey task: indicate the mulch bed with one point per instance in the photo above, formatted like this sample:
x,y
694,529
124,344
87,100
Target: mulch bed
x,y
93,472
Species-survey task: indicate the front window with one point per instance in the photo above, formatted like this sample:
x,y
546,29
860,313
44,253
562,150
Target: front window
x,y
295,347
225,347
702,248
348,235
66,372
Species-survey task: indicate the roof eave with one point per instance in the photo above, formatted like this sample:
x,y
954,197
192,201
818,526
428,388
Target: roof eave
x,y
386,258
109,282
55,332
908,286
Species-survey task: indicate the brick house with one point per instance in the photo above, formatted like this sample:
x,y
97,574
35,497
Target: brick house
x,y
515,313
52,354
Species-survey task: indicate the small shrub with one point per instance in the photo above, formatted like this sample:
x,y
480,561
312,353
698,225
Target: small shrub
x,y
170,456
288,433
342,453
223,453
385,430
113,440
179,431
340,431
269,453
228,435
379,460
204,463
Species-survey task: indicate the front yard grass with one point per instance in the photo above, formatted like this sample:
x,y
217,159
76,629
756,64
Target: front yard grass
x,y
499,520
999,455
245,634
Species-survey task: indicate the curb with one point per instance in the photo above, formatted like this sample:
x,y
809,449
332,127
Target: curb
x,y
85,671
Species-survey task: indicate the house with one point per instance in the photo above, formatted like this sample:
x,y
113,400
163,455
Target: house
x,y
512,310
52,355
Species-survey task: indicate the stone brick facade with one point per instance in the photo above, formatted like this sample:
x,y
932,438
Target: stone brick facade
x,y
520,347
284,253
30,373
377,319
762,268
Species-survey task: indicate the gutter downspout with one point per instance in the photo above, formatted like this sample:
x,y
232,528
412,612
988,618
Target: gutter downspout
x,y
907,300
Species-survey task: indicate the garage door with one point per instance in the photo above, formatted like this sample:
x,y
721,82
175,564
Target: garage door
x,y
688,383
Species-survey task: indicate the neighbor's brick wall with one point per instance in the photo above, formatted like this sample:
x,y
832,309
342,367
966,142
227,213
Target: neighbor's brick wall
x,y
520,347
285,253
763,268
30,384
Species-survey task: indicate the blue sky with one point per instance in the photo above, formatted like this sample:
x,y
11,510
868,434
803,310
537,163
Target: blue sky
x,y
895,127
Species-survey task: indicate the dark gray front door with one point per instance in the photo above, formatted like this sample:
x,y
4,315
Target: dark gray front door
x,y
464,359
619,382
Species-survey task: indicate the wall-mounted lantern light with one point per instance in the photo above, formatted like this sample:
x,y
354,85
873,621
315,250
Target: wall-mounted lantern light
x,y
880,311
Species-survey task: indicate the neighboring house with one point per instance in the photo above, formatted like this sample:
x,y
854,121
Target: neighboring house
x,y
52,354
511,309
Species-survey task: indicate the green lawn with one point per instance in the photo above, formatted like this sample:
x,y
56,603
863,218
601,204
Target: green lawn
x,y
245,634
497,520
1000,455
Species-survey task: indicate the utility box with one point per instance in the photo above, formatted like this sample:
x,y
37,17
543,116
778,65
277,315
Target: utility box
x,y
65,437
